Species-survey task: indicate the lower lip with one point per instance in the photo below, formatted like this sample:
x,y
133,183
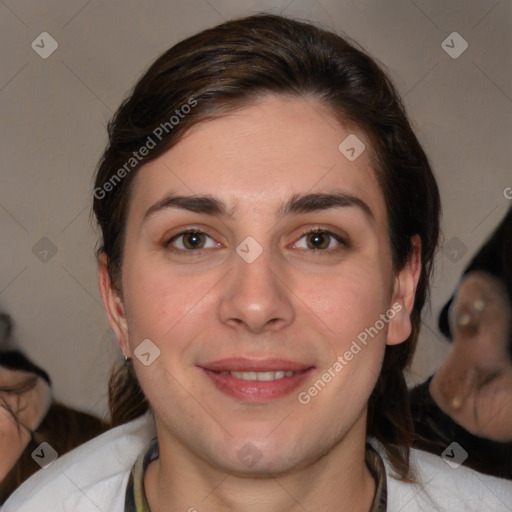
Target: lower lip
x,y
255,390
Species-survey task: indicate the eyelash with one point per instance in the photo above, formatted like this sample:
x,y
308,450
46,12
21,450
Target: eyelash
x,y
198,252
332,235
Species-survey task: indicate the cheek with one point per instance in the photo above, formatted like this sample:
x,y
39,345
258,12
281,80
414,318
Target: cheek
x,y
351,308
159,300
349,301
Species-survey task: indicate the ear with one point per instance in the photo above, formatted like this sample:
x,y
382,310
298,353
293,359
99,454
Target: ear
x,y
113,305
404,292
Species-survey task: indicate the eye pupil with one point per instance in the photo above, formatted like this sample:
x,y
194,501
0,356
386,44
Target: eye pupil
x,y
192,240
319,240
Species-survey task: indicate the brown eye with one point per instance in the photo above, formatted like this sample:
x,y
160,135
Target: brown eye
x,y
320,240
191,241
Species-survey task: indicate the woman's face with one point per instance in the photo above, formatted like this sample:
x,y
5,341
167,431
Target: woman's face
x,y
474,385
288,263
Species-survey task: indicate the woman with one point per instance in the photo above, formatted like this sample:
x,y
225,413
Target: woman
x,y
29,416
269,221
469,399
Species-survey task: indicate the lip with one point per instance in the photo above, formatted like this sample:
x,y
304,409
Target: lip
x,y
254,390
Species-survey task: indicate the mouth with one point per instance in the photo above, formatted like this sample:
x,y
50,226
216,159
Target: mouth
x,y
260,376
256,380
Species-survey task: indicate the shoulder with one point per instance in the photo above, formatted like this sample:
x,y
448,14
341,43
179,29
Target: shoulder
x,y
443,488
90,477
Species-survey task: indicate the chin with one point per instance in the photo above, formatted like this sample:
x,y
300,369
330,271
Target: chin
x,y
261,454
251,462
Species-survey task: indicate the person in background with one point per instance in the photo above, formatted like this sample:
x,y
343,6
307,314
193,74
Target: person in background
x,y
29,416
469,399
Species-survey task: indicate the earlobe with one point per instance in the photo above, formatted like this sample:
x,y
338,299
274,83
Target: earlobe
x,y
113,305
406,283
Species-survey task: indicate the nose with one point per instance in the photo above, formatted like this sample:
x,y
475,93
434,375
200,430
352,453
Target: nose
x,y
257,297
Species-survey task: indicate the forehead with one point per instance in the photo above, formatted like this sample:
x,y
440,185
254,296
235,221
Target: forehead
x,y
263,153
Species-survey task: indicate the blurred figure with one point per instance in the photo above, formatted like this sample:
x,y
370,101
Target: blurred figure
x,y
30,416
469,399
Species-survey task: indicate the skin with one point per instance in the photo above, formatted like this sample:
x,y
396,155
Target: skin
x,y
293,302
474,385
30,405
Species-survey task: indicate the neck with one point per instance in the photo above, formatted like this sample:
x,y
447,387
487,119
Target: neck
x,y
337,481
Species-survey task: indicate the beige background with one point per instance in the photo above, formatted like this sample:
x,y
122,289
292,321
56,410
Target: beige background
x,y
55,110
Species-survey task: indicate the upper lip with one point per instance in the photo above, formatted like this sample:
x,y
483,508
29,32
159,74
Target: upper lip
x,y
241,364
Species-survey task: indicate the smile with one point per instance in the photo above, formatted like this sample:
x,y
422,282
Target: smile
x,y
252,380
261,376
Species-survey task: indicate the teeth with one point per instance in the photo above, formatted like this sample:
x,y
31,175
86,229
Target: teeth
x,y
262,376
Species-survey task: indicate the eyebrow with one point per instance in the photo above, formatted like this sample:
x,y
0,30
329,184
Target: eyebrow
x,y
296,204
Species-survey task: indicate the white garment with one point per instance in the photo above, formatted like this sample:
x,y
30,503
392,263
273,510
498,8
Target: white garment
x,y
93,478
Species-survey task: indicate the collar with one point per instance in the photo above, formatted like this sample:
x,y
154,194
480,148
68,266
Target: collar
x,y
135,497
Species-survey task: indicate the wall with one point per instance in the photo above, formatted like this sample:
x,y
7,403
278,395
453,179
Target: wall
x,y
55,111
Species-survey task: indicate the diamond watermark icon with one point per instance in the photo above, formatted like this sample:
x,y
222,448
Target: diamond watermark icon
x,y
249,249
454,249
454,45
351,147
146,352
44,249
249,455
44,455
454,455
44,45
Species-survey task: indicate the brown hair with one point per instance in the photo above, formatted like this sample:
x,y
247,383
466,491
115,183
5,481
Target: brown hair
x,y
230,66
